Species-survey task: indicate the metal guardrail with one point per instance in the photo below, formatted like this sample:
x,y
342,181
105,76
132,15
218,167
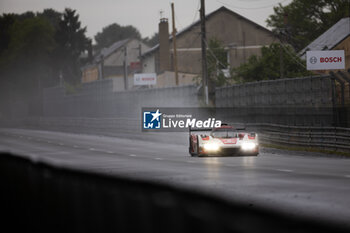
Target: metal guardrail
x,y
40,197
330,138
85,124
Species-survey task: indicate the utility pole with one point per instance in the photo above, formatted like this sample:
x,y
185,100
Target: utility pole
x,y
204,53
140,51
102,64
281,61
125,68
174,46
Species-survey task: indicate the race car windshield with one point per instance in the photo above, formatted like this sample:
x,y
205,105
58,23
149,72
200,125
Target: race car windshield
x,y
224,133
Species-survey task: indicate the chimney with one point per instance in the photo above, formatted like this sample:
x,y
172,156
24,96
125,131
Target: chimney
x,y
164,49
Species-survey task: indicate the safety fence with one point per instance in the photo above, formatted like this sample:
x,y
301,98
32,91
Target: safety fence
x,y
43,197
323,100
328,138
84,124
94,100
306,91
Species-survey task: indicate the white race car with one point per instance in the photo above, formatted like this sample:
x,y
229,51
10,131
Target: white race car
x,y
224,140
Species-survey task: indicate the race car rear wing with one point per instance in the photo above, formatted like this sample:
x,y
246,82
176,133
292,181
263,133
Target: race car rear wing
x,y
210,129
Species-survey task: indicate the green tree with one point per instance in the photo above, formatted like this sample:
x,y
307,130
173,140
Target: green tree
x,y
217,61
72,42
154,40
267,66
6,22
113,33
300,22
24,63
54,17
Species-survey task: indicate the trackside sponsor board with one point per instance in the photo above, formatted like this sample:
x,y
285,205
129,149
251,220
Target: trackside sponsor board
x,y
145,79
178,119
325,60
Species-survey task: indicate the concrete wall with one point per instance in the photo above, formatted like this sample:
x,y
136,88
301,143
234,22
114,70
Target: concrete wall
x,y
97,99
299,101
167,79
148,65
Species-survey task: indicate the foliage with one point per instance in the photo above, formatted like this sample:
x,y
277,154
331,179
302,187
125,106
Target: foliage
x,y
71,43
216,60
154,40
6,21
113,33
35,47
306,20
24,60
267,66
51,16
71,89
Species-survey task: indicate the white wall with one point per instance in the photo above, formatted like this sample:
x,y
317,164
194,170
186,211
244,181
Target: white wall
x,y
148,64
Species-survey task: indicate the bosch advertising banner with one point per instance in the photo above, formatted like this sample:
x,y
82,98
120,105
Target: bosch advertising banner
x,y
325,60
145,79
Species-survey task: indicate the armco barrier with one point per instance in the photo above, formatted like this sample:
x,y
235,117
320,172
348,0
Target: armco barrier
x,y
83,125
329,138
39,197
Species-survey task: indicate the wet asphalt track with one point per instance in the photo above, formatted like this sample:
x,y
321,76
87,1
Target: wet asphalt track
x,y
300,183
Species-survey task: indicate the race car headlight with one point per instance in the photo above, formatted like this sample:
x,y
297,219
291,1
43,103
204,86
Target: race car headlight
x,y
211,147
248,146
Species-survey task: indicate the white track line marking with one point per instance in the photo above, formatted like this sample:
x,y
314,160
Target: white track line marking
x,y
132,155
109,152
284,170
61,144
93,149
158,158
347,176
75,146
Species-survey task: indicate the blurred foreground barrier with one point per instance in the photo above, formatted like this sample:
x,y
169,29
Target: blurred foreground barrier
x,y
38,197
328,138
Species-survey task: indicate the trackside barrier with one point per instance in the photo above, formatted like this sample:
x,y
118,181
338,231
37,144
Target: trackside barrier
x,y
330,138
39,197
81,124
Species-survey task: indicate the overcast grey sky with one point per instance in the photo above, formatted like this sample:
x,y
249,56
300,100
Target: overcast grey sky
x,y
142,14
